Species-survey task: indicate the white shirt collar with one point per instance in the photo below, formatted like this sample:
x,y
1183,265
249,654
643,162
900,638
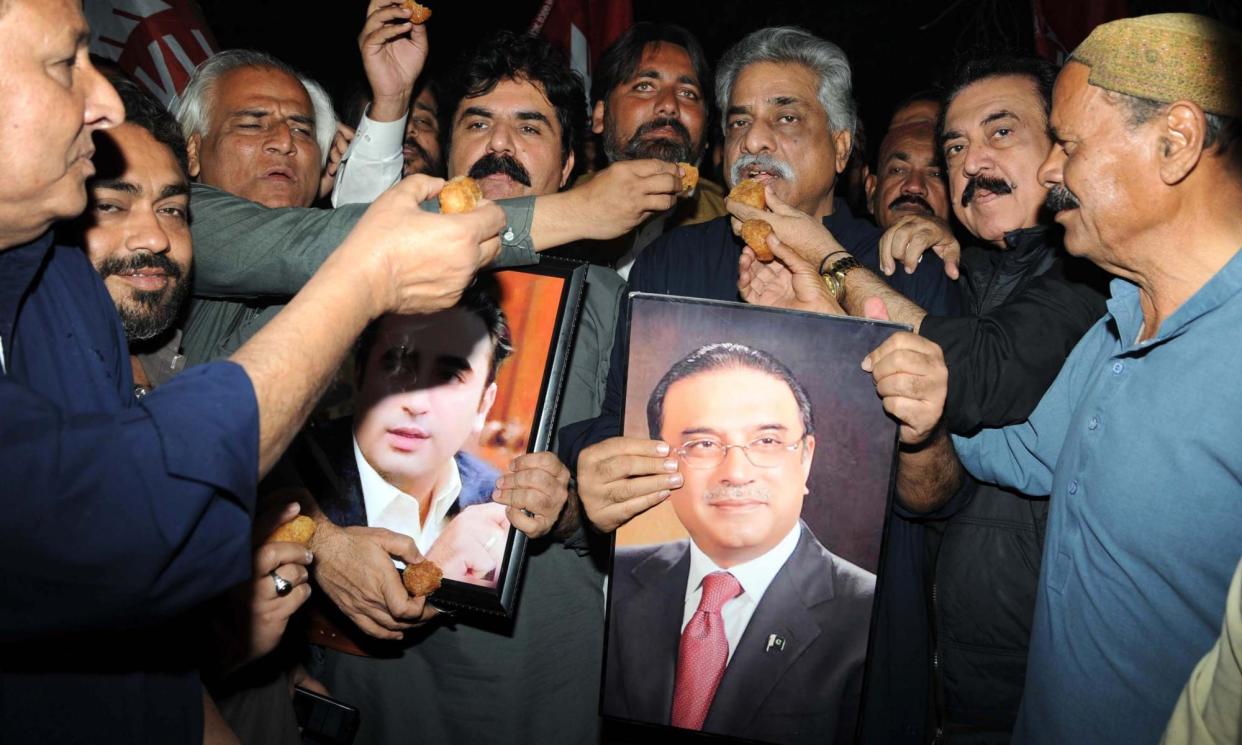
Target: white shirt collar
x,y
754,575
389,507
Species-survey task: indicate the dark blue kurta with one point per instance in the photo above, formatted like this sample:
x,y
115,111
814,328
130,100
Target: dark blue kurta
x,y
119,516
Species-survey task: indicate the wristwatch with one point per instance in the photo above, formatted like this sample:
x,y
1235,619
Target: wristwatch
x,y
834,276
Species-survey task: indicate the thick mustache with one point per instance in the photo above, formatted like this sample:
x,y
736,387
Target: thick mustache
x,y
141,260
762,161
660,122
911,199
1060,199
493,163
994,185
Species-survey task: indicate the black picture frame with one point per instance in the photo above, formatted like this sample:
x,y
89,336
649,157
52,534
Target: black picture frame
x,y
664,329
502,600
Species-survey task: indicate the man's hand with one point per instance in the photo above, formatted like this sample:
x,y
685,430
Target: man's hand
x,y
354,567
417,261
268,613
534,491
472,546
623,195
622,477
788,282
393,54
340,143
910,236
806,235
912,379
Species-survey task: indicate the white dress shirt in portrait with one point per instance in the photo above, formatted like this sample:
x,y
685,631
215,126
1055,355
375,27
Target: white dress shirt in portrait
x,y
754,576
389,507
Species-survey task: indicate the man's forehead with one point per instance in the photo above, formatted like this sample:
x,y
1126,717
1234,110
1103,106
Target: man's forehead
x,y
49,23
1072,84
511,95
426,101
914,141
921,110
136,157
733,392
666,59
779,76
249,86
983,100
775,84
455,331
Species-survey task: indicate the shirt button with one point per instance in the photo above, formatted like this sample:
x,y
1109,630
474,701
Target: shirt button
x,y
1094,423
508,236
1073,487
1118,367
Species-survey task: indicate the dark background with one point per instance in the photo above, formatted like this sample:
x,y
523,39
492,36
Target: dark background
x,y
896,47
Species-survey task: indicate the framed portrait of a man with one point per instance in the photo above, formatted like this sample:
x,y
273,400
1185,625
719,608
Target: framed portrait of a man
x,y
443,403
742,605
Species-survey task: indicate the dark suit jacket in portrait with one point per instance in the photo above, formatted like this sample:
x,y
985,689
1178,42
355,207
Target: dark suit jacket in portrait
x,y
802,685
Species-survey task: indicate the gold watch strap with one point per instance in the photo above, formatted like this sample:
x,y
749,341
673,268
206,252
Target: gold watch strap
x,y
834,276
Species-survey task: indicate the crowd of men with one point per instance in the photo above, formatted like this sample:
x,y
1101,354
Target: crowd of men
x,y
179,289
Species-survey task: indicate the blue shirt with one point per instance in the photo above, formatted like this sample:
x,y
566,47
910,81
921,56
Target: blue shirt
x,y
1140,446
117,516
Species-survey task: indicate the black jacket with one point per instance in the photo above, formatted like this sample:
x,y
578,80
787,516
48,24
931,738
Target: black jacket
x,y
1028,307
1024,309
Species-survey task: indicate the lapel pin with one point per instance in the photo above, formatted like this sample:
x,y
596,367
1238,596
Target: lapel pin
x,y
775,642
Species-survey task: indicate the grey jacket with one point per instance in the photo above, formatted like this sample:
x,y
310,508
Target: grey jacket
x,y
249,260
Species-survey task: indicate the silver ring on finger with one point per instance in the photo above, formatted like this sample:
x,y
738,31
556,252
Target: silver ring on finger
x,y
283,586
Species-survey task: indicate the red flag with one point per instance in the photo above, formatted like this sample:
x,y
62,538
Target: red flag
x,y
583,28
1060,25
156,42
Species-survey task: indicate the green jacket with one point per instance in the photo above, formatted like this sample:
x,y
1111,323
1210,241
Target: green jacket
x,y
249,260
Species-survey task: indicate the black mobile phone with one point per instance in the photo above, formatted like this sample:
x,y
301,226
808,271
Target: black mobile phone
x,y
324,720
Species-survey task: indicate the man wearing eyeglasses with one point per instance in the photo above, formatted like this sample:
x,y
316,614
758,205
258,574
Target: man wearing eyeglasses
x,y
750,628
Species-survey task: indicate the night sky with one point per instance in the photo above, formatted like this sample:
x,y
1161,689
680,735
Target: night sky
x,y
896,47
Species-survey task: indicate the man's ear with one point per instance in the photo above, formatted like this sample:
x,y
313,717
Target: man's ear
x,y
843,140
808,457
1181,140
869,188
191,151
485,407
597,118
567,169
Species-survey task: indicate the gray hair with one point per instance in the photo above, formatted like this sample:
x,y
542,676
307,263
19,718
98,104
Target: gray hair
x,y
1221,133
791,44
726,356
193,107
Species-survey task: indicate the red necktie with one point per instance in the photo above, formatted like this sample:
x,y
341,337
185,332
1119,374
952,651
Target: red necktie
x,y
704,652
